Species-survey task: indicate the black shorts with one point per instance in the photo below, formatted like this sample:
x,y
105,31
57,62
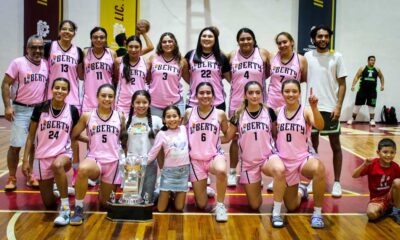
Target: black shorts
x,y
330,128
222,106
367,97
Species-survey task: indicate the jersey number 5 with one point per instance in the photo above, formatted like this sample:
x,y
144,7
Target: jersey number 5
x,y
103,138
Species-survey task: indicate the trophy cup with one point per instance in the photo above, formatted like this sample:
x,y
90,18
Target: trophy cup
x,y
131,206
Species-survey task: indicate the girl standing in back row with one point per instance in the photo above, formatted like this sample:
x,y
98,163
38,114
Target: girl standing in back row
x,y
207,63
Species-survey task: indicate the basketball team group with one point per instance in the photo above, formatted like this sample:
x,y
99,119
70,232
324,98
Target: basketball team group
x,y
135,105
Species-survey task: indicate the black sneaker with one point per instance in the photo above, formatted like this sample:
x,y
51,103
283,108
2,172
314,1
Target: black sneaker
x,y
77,218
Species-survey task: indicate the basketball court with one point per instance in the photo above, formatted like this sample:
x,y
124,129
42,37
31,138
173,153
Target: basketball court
x,y
23,215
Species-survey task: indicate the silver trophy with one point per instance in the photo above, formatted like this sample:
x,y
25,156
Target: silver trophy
x,y
131,206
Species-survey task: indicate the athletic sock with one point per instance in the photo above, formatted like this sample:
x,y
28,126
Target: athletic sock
x,y
79,203
317,210
65,202
276,211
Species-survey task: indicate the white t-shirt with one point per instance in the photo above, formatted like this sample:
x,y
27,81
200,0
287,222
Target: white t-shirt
x,y
138,134
323,71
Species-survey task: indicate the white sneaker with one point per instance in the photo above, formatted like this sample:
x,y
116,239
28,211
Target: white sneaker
x,y
210,192
372,123
336,190
63,217
220,212
232,179
350,121
309,187
270,186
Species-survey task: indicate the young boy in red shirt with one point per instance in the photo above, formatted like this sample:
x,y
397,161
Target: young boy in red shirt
x,y
383,181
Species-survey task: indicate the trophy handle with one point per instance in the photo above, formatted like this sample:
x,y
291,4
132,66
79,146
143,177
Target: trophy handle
x,y
143,173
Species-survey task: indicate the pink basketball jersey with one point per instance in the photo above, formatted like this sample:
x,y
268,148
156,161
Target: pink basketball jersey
x,y
30,81
209,70
53,133
279,73
293,135
165,88
255,140
125,90
244,70
203,134
104,143
64,64
98,71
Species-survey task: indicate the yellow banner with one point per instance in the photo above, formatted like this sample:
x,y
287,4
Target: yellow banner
x,y
118,16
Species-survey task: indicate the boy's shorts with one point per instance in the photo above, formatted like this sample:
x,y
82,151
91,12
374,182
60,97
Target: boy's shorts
x,y
383,203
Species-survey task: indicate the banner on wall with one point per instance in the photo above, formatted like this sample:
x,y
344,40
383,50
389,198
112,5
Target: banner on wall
x,y
118,16
313,13
37,19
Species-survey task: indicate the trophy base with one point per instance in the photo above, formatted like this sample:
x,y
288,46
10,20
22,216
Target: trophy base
x,y
129,213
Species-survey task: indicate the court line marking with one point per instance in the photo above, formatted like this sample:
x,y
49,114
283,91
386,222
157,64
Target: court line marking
x,y
19,212
350,193
11,226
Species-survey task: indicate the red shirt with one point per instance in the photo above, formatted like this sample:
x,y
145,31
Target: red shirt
x,y
380,179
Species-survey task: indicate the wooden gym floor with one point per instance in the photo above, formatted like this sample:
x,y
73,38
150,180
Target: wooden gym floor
x,y
22,215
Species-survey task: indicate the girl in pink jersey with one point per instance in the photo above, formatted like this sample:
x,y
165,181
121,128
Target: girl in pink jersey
x,y
105,128
51,124
207,64
166,71
65,60
248,63
204,123
98,67
256,126
286,64
294,130
131,72
172,140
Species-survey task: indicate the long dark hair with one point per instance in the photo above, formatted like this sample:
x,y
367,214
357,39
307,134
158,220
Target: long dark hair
x,y
205,84
132,110
47,104
176,53
96,29
215,49
125,58
170,107
291,81
249,31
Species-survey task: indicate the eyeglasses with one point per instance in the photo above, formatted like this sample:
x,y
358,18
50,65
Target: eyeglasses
x,y
35,48
99,37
